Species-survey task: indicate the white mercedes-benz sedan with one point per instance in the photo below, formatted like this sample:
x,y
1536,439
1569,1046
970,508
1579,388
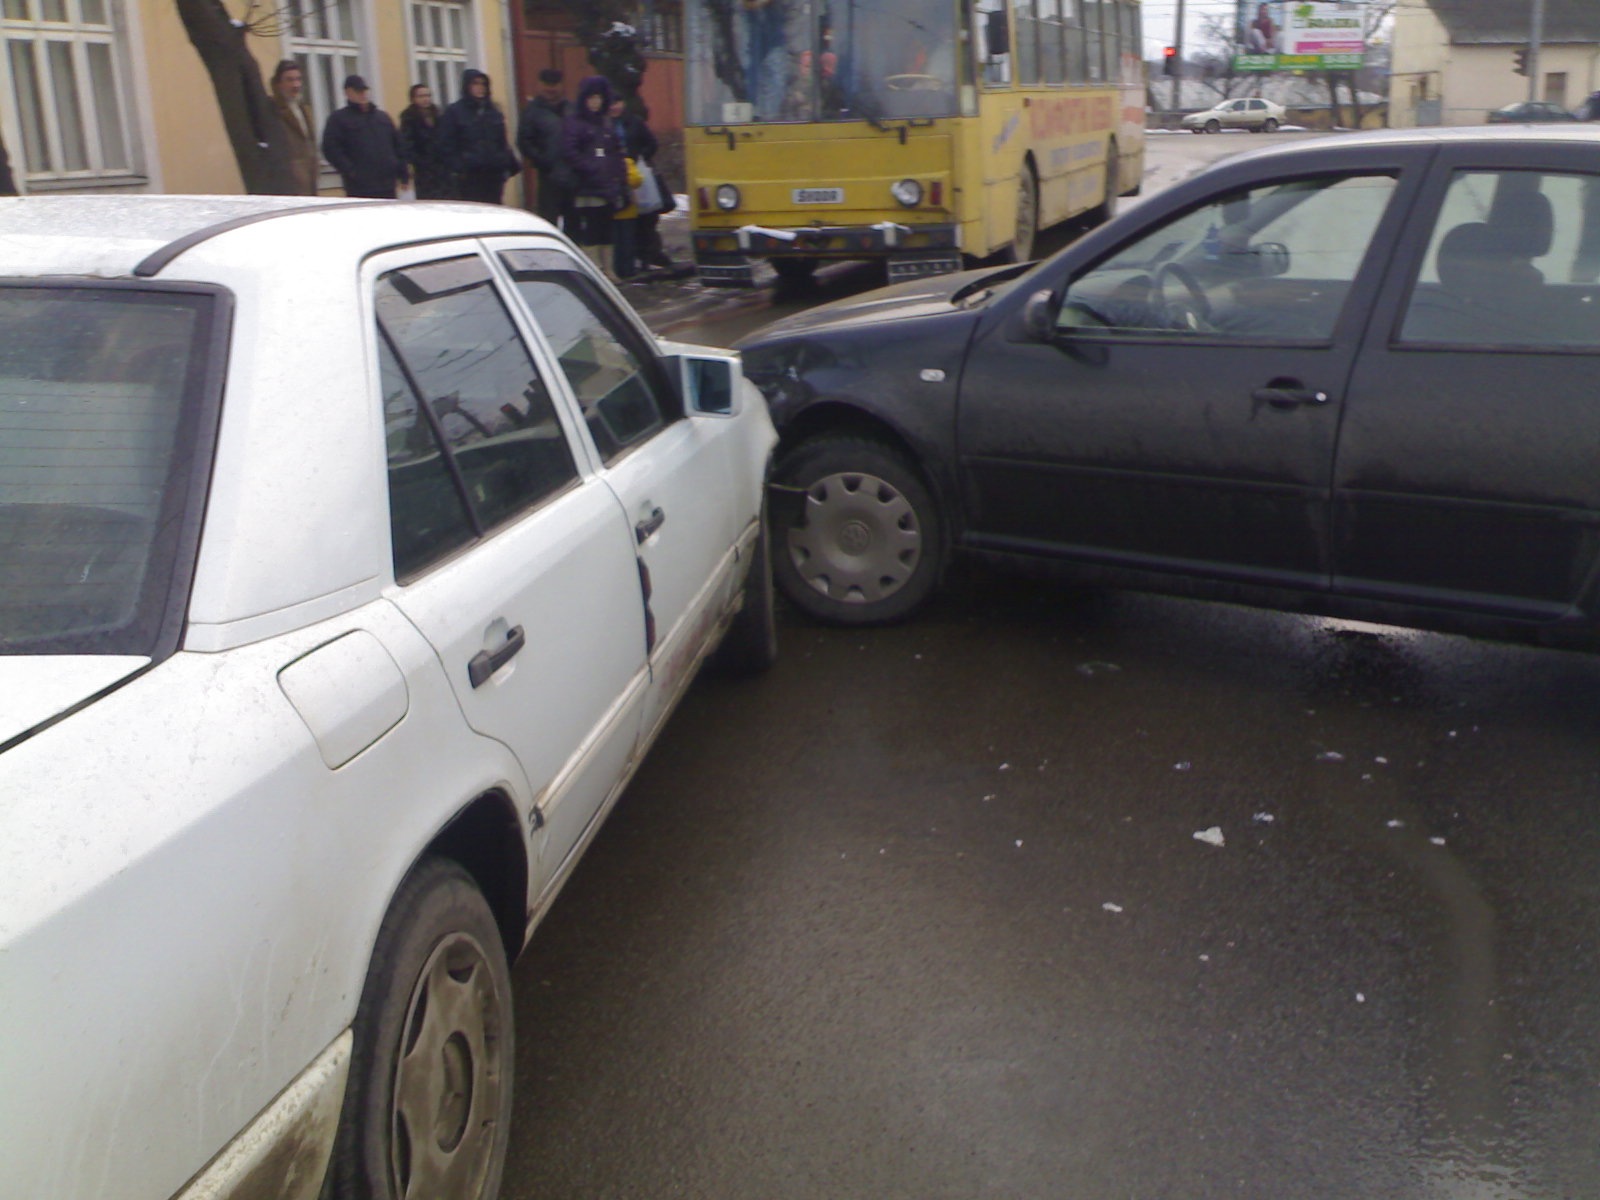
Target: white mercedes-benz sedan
x,y
351,556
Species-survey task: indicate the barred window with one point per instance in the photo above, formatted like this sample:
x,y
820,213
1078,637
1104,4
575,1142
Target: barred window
x,y
62,76
441,33
324,40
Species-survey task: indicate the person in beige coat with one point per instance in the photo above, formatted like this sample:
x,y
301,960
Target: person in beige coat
x,y
287,85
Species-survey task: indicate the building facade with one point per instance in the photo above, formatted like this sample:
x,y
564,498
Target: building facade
x,y
1456,60
109,95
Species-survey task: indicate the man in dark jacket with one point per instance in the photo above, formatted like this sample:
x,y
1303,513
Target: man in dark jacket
x,y
539,139
472,142
8,185
362,144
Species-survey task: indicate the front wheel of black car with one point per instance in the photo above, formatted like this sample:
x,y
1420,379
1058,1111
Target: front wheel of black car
x,y
863,546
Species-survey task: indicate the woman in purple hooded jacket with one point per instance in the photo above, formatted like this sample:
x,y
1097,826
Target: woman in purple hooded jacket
x,y
592,147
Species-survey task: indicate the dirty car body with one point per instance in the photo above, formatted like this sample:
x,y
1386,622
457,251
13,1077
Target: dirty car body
x,y
1347,377
341,591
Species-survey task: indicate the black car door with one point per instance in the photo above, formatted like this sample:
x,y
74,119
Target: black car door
x,y
1182,413
1467,472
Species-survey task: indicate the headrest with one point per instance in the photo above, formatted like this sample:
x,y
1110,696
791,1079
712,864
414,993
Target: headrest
x,y
1523,223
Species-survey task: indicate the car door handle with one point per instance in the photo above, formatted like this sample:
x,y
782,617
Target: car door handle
x,y
486,662
1288,393
649,525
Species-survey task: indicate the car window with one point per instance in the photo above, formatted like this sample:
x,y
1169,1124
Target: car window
x,y
1273,262
611,371
463,405
98,421
1513,259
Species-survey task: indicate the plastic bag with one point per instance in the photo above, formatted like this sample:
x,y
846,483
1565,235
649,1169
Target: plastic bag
x,y
648,195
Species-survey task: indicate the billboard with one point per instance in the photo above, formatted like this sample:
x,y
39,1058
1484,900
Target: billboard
x,y
1300,35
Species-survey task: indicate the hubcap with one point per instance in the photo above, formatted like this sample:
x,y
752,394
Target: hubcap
x,y
861,541
450,1077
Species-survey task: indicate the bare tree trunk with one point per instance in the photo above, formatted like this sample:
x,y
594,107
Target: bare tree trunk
x,y
260,142
8,184
1335,112
1355,97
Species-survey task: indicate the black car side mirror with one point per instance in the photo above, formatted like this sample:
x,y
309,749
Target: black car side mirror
x,y
1039,316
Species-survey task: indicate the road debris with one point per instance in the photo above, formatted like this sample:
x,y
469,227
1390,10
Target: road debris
x,y
1211,837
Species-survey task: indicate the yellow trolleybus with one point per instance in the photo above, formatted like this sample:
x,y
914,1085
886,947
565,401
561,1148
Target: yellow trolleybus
x,y
919,132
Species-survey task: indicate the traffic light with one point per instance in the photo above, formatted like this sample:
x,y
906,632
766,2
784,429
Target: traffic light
x,y
1169,61
1522,60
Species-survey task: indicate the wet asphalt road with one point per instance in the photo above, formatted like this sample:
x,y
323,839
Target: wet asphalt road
x,y
922,914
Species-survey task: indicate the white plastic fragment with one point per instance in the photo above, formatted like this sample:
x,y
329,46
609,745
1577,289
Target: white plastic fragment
x,y
1395,824
1097,668
1381,760
1005,766
989,797
1019,843
1437,841
1211,837
1205,958
1361,997
1182,766
1263,818
1111,908
1330,756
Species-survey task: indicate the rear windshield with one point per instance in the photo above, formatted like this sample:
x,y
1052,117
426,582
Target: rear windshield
x,y
99,390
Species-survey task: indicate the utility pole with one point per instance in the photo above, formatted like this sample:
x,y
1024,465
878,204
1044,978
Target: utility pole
x,y
1535,43
1177,67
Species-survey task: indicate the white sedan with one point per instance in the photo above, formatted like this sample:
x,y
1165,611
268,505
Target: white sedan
x,y
1252,113
351,556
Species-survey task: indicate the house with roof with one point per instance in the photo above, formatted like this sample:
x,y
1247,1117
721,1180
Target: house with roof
x,y
1456,60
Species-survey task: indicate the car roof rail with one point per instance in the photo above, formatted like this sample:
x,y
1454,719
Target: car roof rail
x,y
157,260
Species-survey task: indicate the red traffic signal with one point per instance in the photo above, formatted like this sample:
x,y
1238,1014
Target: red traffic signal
x,y
1169,61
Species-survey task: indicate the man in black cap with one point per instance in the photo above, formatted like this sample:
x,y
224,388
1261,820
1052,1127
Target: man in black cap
x,y
362,144
539,139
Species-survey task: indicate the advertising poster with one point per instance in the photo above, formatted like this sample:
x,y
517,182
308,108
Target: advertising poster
x,y
1300,35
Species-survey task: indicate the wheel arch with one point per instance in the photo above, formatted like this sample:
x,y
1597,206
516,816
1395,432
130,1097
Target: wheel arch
x,y
486,839
835,418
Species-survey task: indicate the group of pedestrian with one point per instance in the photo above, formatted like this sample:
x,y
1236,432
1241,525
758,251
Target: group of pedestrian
x,y
594,159
596,173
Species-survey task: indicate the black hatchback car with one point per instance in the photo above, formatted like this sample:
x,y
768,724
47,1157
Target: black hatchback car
x,y
1356,376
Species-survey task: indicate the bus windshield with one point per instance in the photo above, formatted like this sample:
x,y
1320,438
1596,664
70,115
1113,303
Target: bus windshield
x,y
820,60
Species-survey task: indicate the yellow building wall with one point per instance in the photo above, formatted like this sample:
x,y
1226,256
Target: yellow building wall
x,y
191,153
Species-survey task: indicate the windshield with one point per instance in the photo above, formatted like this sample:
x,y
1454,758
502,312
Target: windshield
x,y
96,388
820,60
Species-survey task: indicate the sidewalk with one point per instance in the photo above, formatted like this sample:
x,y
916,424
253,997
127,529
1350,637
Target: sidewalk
x,y
669,298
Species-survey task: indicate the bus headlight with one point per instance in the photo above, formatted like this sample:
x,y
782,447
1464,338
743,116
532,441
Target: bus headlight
x,y
727,197
907,191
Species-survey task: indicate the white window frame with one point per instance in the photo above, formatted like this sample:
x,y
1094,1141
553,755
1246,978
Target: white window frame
x,y
317,38
436,63
42,166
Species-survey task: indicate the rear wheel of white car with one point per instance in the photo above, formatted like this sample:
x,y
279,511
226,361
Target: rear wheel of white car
x,y
1270,125
427,1109
865,545
751,644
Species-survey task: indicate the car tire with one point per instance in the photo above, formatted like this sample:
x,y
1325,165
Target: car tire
x,y
865,545
1027,222
433,1050
1213,126
1270,125
1107,208
751,644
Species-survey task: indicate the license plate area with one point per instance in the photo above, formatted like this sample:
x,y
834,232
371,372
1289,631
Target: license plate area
x,y
818,195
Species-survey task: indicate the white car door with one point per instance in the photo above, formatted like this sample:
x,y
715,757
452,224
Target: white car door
x,y
672,471
512,556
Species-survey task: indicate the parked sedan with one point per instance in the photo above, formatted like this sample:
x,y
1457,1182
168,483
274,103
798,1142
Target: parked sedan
x,y
1530,111
1351,376
352,555
1252,113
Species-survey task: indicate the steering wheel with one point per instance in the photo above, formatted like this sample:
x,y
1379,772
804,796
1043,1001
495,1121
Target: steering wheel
x,y
1188,313
915,83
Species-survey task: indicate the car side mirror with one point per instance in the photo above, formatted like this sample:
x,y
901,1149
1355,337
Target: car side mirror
x,y
708,385
1039,316
1272,257
997,34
